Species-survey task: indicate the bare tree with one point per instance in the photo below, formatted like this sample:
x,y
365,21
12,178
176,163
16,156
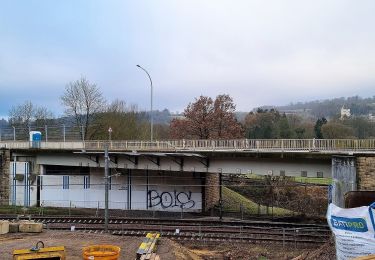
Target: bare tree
x,y
117,106
83,101
125,121
27,113
42,115
22,115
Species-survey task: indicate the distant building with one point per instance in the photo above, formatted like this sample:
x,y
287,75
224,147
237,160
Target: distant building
x,y
345,113
177,116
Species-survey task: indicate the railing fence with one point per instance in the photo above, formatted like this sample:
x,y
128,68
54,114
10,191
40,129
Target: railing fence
x,y
49,133
250,145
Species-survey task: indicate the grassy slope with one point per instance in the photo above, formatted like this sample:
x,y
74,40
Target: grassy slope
x,y
323,181
232,200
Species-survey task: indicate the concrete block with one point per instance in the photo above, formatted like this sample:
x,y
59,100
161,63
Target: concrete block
x,y
4,227
13,227
30,227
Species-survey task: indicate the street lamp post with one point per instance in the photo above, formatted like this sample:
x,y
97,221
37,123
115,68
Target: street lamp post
x,y
110,134
152,118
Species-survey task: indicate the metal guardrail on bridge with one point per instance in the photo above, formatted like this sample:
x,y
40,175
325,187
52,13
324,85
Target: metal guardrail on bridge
x,y
249,145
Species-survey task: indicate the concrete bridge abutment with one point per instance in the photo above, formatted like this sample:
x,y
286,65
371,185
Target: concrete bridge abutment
x,y
351,173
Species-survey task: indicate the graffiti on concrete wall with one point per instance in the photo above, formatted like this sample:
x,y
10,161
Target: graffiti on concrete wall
x,y
170,199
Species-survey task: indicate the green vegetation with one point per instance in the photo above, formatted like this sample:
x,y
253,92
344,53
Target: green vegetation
x,y
254,176
309,180
232,201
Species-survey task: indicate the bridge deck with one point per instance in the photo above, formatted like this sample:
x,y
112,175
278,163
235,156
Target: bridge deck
x,y
325,146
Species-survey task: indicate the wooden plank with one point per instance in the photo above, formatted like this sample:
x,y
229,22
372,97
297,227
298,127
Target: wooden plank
x,y
148,246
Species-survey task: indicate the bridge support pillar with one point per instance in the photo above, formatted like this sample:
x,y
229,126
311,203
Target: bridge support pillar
x,y
344,178
211,190
366,173
4,176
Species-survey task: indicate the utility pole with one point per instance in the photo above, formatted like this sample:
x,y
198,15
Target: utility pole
x,y
221,194
106,177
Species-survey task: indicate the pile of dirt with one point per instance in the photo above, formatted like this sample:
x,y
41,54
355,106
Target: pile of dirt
x,y
249,251
182,253
325,252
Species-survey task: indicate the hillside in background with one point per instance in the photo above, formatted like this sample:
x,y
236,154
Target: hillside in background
x,y
329,108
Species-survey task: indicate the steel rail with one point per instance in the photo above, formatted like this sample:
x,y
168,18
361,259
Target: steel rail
x,y
162,221
192,229
203,233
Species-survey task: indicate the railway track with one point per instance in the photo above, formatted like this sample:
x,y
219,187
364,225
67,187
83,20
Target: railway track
x,y
191,229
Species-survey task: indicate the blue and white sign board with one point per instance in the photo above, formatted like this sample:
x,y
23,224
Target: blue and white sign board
x,y
35,139
353,229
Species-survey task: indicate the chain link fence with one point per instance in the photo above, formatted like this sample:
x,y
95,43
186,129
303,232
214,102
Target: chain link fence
x,y
274,197
49,133
242,198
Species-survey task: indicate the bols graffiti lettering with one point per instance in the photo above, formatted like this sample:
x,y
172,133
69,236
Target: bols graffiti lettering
x,y
170,199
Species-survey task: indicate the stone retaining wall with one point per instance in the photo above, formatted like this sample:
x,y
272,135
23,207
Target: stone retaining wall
x,y
212,190
4,176
365,173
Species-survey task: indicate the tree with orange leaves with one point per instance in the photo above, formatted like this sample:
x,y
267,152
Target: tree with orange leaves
x,y
208,119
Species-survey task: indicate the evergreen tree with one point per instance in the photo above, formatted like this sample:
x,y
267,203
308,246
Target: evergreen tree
x,y
318,127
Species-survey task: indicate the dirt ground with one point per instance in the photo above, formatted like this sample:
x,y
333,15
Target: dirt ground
x,y
248,251
325,252
75,241
167,249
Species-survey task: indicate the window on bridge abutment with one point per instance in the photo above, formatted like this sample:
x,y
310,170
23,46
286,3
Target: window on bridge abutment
x,y
303,173
66,170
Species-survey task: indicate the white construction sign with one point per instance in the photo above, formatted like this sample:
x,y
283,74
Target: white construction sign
x,y
353,229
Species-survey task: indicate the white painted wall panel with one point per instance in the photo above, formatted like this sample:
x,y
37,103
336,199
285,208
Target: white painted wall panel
x,y
263,166
163,192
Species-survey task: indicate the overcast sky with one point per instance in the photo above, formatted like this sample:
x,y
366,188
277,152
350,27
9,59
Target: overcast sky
x,y
260,52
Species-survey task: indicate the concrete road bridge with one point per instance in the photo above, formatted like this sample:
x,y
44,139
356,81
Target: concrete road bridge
x,y
171,174
323,146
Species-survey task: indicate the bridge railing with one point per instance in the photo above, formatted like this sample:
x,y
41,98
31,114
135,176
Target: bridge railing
x,y
271,145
